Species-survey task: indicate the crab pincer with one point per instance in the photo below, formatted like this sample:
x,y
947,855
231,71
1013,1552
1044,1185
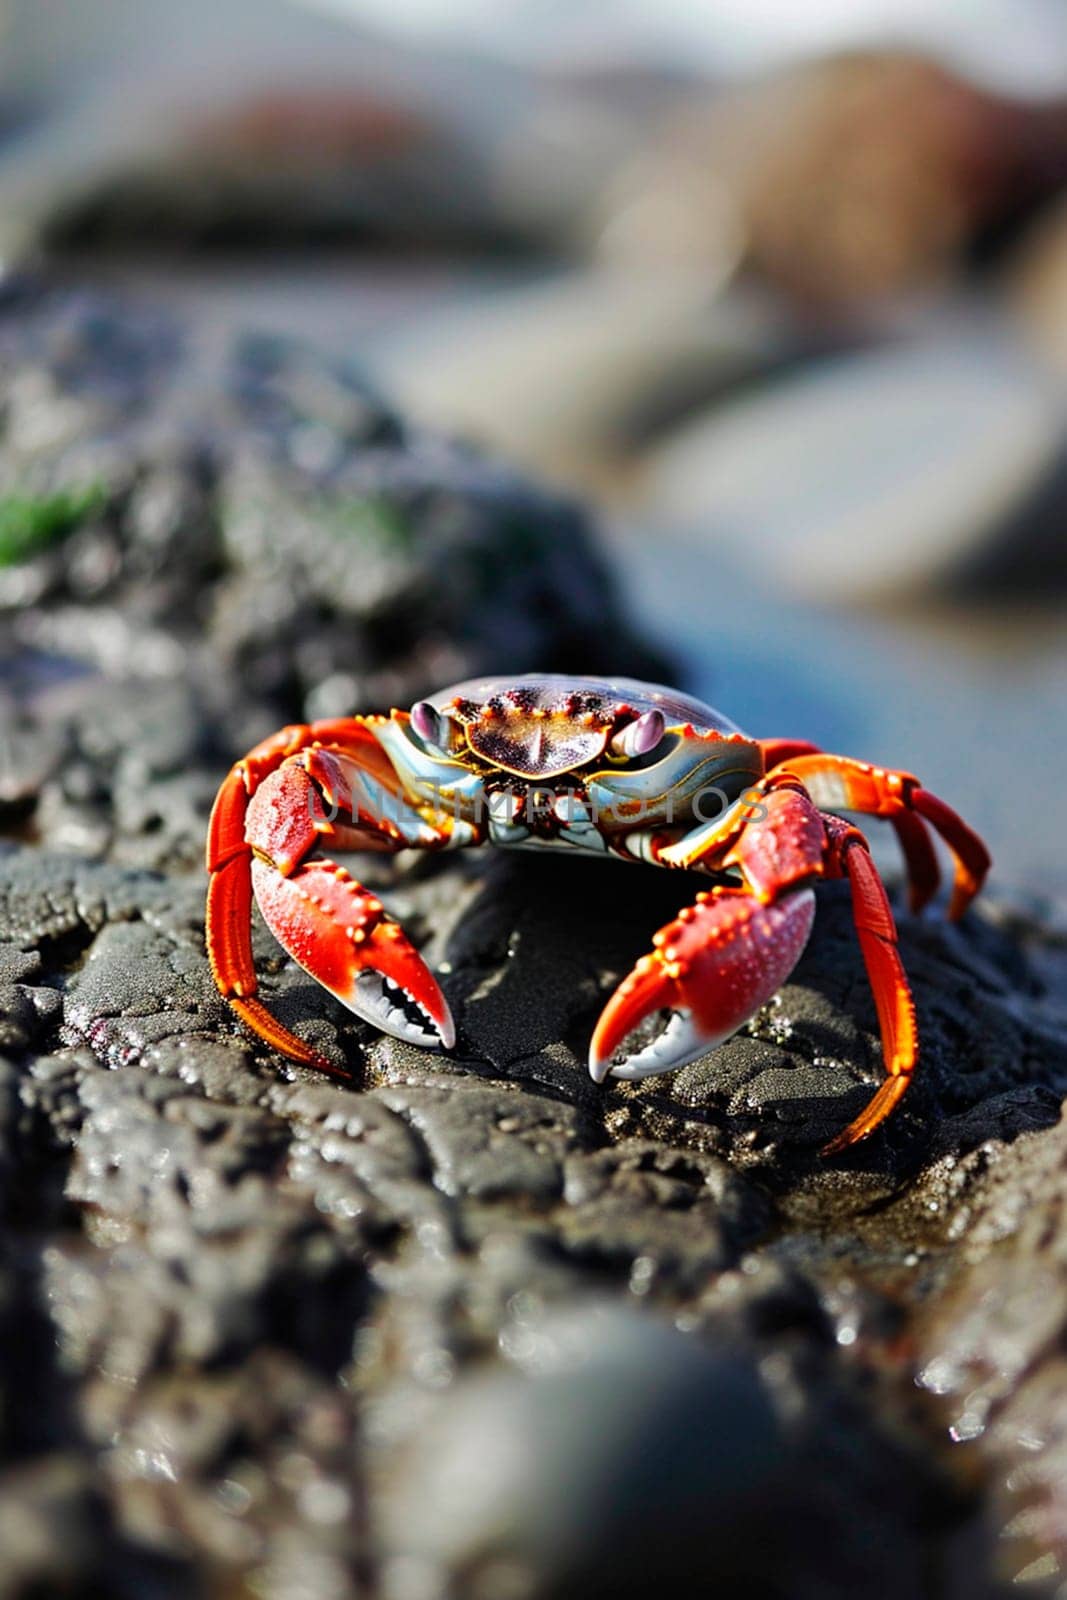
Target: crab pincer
x,y
341,934
711,970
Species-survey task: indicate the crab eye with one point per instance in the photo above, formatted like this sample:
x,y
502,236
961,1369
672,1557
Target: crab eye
x,y
641,737
431,727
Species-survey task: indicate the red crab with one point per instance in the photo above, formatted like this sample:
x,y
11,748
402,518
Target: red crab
x,y
602,767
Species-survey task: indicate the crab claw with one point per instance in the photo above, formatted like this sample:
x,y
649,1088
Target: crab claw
x,y
341,934
712,969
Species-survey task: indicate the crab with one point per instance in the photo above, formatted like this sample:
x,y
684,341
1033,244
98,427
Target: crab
x,y
600,767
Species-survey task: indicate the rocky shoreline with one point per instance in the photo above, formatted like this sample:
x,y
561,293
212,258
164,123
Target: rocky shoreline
x,y
470,1325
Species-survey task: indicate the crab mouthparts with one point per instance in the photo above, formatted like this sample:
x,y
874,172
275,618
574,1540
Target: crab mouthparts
x,y
662,1042
394,1009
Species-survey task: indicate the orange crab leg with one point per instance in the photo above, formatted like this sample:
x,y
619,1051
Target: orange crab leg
x,y
913,836
972,859
268,817
924,873
229,895
797,841
723,958
229,901
778,751
892,994
840,783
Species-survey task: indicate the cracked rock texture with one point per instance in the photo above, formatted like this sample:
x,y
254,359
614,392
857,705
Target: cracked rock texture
x,y
464,1325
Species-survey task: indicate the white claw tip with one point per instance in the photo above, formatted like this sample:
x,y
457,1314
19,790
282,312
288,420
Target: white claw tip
x,y
598,1068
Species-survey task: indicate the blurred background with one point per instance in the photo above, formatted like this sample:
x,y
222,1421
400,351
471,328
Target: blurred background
x,y
780,289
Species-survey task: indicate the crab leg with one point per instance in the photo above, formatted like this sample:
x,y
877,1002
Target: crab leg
x,y
271,814
972,859
920,857
893,1001
723,958
229,893
840,783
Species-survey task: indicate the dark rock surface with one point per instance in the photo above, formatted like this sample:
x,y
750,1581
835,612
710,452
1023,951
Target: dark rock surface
x,y
465,1325
216,541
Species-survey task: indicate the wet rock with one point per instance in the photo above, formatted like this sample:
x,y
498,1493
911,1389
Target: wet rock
x,y
405,1245
463,1325
50,1516
992,1348
629,1448
215,542
618,1449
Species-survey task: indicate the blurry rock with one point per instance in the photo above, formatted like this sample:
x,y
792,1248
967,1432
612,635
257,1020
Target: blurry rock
x,y
1036,285
129,121
840,180
626,1458
133,118
47,1533
840,184
844,180
895,471
629,1458
234,539
993,1350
